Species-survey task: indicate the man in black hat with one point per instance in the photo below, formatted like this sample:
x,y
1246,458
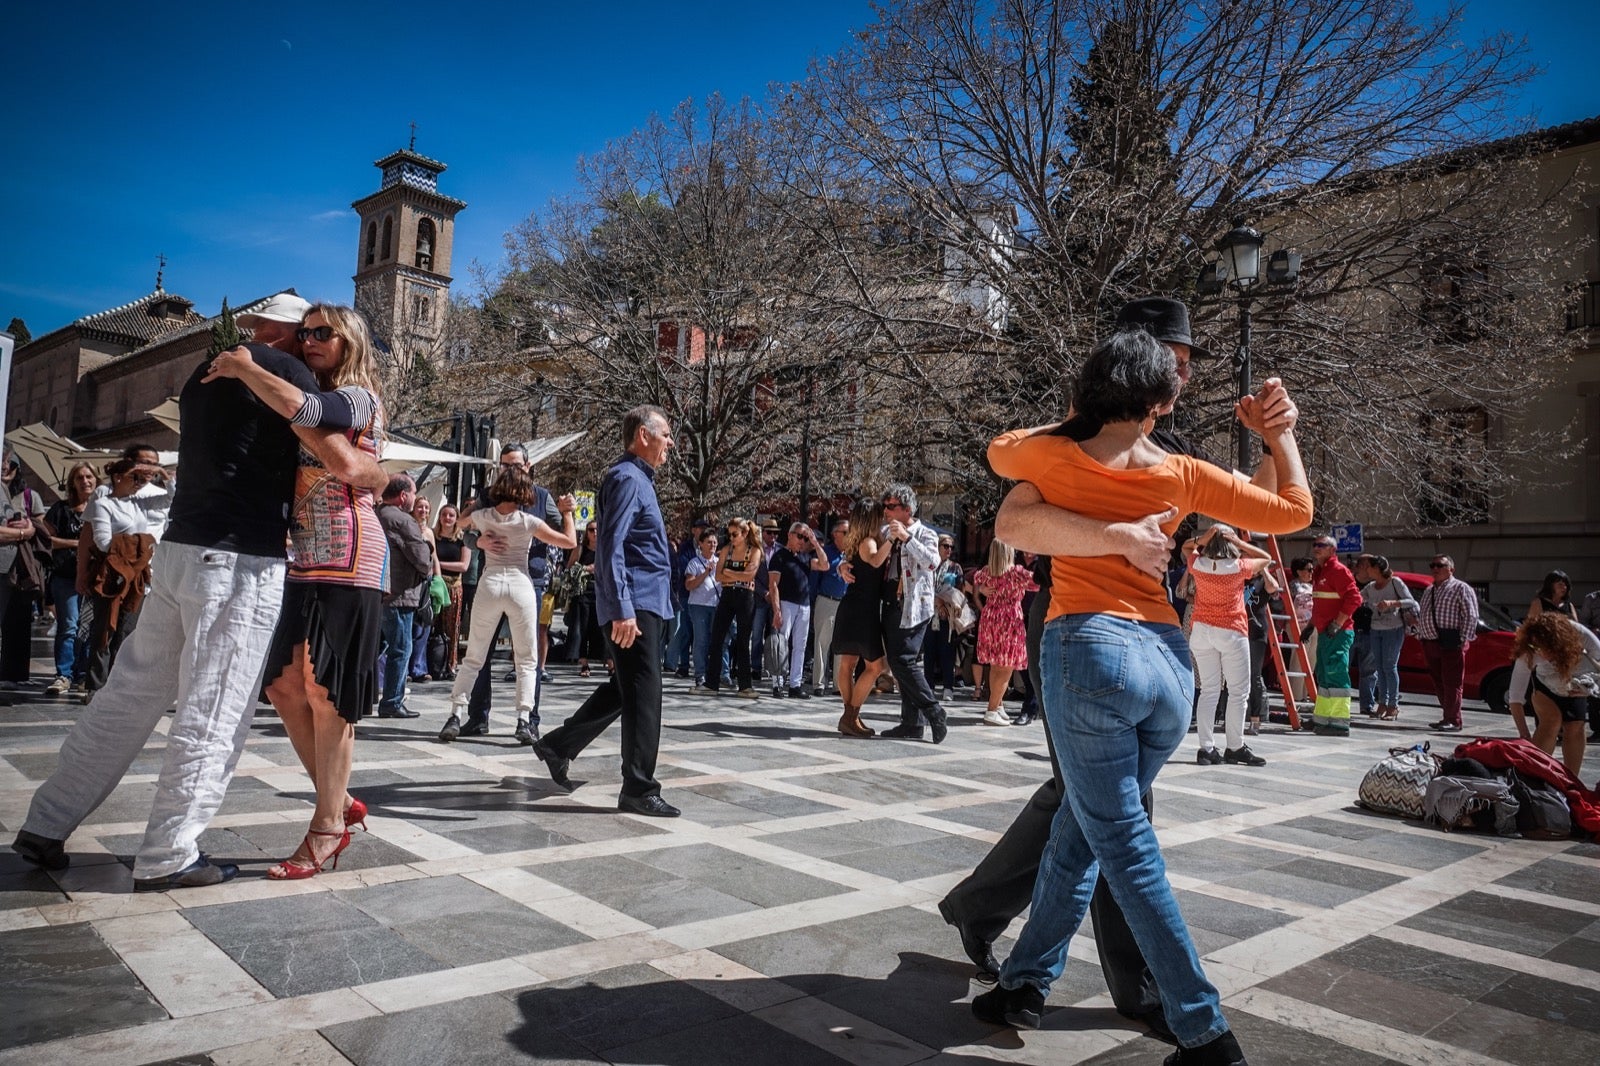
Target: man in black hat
x,y
1001,886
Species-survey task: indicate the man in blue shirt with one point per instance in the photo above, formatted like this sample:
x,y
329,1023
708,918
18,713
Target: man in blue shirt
x,y
830,590
633,602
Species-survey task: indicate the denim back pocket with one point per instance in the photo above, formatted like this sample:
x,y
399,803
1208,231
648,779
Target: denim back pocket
x,y
1094,666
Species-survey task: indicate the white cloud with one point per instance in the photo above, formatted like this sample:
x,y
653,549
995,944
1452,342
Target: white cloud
x,y
332,216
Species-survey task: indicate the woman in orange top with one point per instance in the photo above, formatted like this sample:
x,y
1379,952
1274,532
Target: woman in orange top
x,y
1118,683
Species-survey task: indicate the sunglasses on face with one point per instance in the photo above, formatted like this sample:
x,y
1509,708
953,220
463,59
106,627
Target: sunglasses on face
x,y
319,333
1438,566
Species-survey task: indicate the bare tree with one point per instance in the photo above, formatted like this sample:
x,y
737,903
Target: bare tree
x,y
1065,156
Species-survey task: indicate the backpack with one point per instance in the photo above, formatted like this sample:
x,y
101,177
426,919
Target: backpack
x,y
1542,811
1398,783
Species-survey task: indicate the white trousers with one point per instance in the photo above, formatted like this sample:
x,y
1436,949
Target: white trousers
x,y
201,644
796,627
509,591
824,612
1220,656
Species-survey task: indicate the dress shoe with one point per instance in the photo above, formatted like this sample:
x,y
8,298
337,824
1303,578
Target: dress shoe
x,y
939,724
523,734
555,763
43,852
1218,1051
1025,718
1020,1008
451,730
652,806
979,950
798,693
903,732
197,874
1242,756
1208,757
399,710
475,729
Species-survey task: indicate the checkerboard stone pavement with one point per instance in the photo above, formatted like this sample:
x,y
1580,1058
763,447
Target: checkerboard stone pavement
x,y
788,916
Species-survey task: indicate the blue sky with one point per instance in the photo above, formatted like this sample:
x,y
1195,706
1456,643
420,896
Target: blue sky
x,y
232,137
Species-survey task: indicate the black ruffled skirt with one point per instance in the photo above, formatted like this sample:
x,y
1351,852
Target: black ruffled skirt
x,y
339,625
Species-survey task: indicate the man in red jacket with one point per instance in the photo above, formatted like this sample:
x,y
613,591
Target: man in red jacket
x,y
1334,599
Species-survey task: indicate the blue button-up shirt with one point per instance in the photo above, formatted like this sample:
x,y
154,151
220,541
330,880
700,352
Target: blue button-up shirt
x,y
632,558
829,583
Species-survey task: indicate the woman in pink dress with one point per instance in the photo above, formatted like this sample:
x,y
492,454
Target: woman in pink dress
x,y
1002,637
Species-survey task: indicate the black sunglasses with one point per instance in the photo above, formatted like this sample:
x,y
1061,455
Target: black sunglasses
x,y
321,333
1438,566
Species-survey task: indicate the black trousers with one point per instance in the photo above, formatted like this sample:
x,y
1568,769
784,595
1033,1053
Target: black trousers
x,y
735,607
105,642
1002,885
939,654
632,694
902,647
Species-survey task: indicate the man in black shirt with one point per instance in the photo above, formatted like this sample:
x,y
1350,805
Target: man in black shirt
x,y
789,599
217,591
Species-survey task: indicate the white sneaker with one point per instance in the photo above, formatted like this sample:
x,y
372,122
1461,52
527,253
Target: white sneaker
x,y
58,687
944,694
995,718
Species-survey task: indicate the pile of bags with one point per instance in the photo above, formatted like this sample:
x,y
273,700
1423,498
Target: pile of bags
x,y
1509,787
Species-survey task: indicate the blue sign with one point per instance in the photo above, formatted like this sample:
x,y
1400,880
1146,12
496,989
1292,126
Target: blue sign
x,y
1348,536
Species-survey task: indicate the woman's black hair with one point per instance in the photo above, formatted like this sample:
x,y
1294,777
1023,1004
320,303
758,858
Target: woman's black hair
x,y
512,486
118,467
1126,376
1548,590
1299,563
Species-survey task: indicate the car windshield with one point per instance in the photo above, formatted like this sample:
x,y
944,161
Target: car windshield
x,y
1494,617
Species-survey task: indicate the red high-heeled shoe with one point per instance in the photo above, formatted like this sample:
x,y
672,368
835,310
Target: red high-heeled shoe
x,y
290,870
355,814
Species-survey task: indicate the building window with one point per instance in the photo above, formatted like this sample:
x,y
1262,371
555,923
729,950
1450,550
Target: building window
x,y
426,241
372,242
421,309
1450,490
388,236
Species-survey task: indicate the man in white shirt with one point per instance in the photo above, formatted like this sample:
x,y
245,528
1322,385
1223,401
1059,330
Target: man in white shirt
x,y
907,609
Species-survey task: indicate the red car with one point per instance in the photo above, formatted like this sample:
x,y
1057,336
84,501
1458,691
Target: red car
x,y
1488,673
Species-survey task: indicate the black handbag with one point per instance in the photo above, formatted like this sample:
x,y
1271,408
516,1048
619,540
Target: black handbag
x,y
1449,639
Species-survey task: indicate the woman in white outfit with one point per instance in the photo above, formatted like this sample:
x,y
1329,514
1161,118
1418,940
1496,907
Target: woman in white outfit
x,y
1219,637
1558,659
505,532
123,513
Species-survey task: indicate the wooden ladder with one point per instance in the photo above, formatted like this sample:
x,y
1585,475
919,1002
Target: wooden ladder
x,y
1295,646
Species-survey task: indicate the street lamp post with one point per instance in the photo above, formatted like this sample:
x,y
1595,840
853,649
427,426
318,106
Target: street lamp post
x,y
1238,266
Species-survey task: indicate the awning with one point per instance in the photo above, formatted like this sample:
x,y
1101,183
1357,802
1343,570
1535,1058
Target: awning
x,y
403,455
50,456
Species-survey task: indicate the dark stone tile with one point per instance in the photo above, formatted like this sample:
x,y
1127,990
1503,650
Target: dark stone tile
x,y
482,1031
1518,1038
587,826
1286,886
726,1042
615,1008
493,840
1218,860
757,882
740,758
1493,921
1551,1001
1177,807
1363,994
186,1060
73,1001
1406,850
49,951
459,922
760,800
25,885
1418,966
710,811
846,837
1258,786
1554,877
992,772
301,944
922,858
1263,1042
995,816
1225,916
1338,873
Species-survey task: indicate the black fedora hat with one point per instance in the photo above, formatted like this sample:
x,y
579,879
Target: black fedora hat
x,y
1163,318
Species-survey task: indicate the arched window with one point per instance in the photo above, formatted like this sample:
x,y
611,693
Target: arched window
x,y
426,241
388,236
372,241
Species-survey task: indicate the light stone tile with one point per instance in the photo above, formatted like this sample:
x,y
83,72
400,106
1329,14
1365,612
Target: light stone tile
x,y
21,918
1409,1049
290,1049
841,1033
749,924
558,964
1274,951
735,984
593,920
181,967
519,886
100,907
461,982
416,840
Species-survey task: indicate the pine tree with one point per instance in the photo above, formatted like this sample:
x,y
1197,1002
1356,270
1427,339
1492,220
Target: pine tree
x,y
225,331
19,330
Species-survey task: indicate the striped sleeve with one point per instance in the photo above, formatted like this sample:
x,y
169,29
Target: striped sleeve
x,y
348,407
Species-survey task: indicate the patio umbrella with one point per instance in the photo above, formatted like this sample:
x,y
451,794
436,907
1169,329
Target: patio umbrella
x,y
45,452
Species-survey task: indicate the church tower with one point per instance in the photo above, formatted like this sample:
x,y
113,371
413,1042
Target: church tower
x,y
403,255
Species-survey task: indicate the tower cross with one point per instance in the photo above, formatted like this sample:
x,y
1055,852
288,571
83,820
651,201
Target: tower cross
x,y
161,267
413,146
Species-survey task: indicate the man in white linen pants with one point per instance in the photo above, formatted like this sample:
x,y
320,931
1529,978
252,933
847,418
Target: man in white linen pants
x,y
217,591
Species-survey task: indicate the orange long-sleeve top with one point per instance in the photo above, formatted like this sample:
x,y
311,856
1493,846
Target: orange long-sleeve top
x,y
1108,584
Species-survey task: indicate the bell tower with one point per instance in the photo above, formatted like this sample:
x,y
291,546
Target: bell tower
x,y
403,254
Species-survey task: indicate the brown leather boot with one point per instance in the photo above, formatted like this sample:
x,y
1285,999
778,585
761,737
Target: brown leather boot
x,y
850,723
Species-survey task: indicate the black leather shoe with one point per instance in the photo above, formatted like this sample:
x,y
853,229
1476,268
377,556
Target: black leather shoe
x,y
555,763
197,874
1219,1051
1020,1008
475,729
979,950
523,733
1208,757
941,727
1242,756
903,732
43,852
652,806
451,730
796,692
398,711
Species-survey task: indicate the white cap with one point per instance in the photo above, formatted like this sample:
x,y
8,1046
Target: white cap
x,y
284,307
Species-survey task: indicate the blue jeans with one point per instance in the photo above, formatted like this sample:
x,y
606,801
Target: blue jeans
x,y
69,649
681,641
1380,669
1117,697
395,652
697,619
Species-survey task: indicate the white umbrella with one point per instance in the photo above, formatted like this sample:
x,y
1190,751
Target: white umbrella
x,y
166,413
48,454
403,455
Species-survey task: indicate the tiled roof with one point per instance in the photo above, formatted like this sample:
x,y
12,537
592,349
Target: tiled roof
x,y
134,322
197,324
